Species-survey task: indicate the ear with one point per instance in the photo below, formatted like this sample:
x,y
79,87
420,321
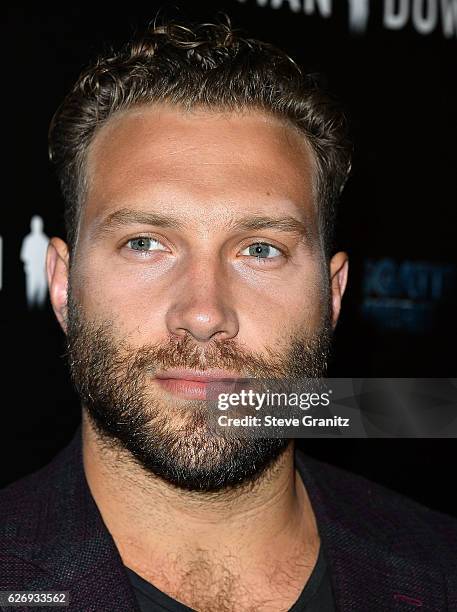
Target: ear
x,y
339,265
57,269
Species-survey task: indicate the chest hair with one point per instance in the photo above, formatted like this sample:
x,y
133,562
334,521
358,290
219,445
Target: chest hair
x,y
210,585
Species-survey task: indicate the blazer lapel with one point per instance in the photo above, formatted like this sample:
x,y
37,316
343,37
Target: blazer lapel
x,y
374,558
76,550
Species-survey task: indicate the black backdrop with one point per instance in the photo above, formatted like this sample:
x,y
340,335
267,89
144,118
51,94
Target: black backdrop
x,y
394,70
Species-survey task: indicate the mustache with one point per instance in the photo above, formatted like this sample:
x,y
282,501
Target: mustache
x,y
225,354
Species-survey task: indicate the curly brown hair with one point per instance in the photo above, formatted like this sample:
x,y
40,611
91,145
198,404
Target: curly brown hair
x,y
207,65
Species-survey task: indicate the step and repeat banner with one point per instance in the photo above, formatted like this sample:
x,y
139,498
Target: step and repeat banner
x,y
392,64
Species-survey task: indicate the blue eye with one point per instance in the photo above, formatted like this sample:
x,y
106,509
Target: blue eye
x,y
262,250
143,243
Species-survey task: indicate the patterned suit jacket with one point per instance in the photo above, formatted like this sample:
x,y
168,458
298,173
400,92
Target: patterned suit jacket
x,y
385,552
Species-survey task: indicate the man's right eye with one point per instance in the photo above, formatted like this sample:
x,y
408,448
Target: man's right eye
x,y
144,243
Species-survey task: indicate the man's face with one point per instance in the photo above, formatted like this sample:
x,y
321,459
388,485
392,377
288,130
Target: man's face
x,y
198,256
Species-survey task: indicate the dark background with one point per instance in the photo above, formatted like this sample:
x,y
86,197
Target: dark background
x,y
397,217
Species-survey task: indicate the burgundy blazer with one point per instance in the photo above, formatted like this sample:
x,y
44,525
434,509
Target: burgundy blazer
x,y
385,552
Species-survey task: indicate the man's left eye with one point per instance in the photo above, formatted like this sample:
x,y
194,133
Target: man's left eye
x,y
143,243
261,250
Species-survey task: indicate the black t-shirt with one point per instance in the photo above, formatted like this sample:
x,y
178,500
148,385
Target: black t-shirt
x,y
316,595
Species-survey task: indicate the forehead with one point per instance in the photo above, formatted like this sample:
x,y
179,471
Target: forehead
x,y
206,159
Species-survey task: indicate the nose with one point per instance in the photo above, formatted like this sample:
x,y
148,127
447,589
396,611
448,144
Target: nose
x,y
203,306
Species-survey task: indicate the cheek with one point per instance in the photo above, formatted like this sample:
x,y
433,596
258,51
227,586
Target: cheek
x,y
134,298
274,306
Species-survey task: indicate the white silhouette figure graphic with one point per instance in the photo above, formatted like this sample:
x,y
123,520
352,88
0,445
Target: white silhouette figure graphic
x,y
358,15
33,255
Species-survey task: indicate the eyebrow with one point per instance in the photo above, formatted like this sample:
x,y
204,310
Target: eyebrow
x,y
286,224
127,216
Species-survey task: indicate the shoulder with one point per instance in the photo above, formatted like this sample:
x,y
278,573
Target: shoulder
x,y
376,513
30,502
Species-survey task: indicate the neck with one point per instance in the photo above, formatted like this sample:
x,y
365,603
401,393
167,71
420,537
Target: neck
x,y
153,522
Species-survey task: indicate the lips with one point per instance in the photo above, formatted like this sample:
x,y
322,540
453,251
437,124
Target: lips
x,y
192,384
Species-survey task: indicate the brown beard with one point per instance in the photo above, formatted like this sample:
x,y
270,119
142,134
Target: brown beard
x,y
173,439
